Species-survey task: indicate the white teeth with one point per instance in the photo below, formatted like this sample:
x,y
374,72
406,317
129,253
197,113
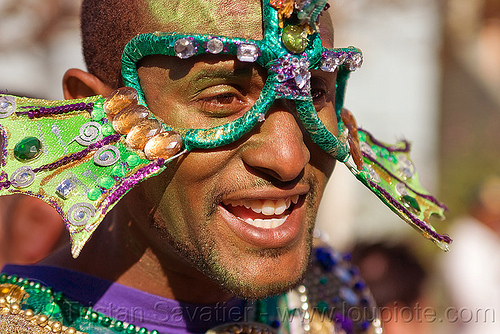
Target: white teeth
x,y
280,207
267,207
266,223
256,206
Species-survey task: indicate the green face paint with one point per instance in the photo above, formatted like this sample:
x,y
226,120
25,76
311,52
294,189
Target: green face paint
x,y
221,17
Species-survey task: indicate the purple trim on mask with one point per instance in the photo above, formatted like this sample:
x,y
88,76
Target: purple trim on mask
x,y
3,148
127,183
44,111
79,155
416,221
406,149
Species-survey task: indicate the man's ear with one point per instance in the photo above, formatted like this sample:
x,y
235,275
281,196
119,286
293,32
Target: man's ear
x,y
78,84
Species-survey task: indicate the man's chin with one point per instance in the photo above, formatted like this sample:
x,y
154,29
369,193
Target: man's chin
x,y
250,289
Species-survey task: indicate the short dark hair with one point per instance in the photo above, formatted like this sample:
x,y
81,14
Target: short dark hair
x,y
106,27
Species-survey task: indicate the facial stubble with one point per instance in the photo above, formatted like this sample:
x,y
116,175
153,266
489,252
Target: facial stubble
x,y
205,256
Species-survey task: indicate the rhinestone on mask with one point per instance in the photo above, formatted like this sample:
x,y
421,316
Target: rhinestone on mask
x,y
247,52
215,46
184,48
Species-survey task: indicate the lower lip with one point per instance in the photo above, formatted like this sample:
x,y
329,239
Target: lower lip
x,y
277,237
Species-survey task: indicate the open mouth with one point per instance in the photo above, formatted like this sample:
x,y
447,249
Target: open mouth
x,y
262,213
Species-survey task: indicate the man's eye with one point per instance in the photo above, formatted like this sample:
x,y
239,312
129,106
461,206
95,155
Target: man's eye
x,y
222,101
226,98
318,93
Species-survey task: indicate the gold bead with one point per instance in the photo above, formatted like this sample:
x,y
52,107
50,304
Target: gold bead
x,y
70,330
42,319
29,314
56,327
3,302
15,308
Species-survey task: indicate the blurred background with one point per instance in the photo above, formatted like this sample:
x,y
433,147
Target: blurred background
x,y
431,75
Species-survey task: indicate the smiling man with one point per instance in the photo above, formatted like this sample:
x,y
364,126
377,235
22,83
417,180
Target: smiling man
x,y
236,107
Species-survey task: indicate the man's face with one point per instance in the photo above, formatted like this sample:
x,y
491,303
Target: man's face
x,y
243,214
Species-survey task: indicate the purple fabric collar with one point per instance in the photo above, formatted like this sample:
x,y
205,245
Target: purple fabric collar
x,y
131,305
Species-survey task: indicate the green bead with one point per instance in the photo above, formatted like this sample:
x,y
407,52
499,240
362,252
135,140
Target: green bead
x,y
3,278
12,279
27,149
142,331
118,326
384,153
362,136
106,321
94,194
94,316
323,280
411,201
97,114
106,182
154,332
295,38
133,160
131,329
107,129
119,171
322,306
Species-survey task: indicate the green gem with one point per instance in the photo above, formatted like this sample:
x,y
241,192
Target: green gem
x,y
106,321
119,170
94,194
28,149
411,201
106,182
97,114
133,160
131,329
107,129
295,38
154,332
142,331
52,309
322,306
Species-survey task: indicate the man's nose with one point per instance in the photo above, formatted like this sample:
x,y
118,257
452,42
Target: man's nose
x,y
277,147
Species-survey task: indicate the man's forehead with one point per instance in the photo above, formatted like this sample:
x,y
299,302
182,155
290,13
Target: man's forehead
x,y
234,18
